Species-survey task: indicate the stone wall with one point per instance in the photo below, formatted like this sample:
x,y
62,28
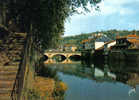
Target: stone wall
x,y
29,62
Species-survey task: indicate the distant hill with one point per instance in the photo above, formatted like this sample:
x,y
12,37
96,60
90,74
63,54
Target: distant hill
x,y
76,40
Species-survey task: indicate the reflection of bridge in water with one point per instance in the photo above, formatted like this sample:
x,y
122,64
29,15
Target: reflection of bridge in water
x,y
66,55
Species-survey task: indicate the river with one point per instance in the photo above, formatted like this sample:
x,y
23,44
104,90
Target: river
x,y
99,81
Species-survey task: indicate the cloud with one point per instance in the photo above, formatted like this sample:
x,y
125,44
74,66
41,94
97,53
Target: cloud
x,y
108,7
114,14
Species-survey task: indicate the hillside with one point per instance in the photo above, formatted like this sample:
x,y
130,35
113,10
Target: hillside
x,y
76,40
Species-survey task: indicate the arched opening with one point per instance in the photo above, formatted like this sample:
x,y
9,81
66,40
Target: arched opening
x,y
59,58
45,58
75,58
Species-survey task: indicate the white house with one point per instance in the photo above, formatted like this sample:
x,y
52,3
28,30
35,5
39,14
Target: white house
x,y
111,44
98,45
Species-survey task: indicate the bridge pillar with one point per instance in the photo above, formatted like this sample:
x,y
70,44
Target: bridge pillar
x,y
49,55
50,61
66,61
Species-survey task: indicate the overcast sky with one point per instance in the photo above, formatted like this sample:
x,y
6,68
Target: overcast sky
x,y
113,14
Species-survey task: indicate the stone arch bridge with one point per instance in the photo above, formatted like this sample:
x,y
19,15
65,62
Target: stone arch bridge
x,y
67,55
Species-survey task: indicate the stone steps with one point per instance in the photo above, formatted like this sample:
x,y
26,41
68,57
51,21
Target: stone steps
x,y
7,73
5,90
7,97
15,63
7,80
8,68
10,57
5,84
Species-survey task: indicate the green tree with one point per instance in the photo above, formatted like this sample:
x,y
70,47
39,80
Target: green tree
x,y
42,19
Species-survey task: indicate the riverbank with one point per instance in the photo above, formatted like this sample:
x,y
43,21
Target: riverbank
x,y
47,89
44,87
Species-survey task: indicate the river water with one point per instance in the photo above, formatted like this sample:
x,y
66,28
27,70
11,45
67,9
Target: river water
x,y
99,81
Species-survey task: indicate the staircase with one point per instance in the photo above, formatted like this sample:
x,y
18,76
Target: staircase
x,y
7,79
11,49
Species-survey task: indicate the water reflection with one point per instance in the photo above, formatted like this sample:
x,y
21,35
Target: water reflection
x,y
99,80
58,58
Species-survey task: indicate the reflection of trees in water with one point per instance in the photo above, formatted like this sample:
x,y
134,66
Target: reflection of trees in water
x,y
78,70
43,70
47,72
126,72
124,66
75,58
86,63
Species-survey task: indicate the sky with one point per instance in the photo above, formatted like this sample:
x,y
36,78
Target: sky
x,y
113,14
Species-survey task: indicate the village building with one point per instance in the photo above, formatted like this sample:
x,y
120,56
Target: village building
x,y
134,40
95,41
127,42
101,41
70,47
87,44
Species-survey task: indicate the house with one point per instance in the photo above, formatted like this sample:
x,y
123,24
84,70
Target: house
x,y
134,40
69,47
99,45
73,48
87,44
127,42
95,41
101,41
109,44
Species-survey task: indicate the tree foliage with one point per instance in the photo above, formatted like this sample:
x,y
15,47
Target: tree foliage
x,y
43,19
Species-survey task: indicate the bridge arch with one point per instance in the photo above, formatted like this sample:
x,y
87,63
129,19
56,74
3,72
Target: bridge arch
x,y
45,57
66,57
59,57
